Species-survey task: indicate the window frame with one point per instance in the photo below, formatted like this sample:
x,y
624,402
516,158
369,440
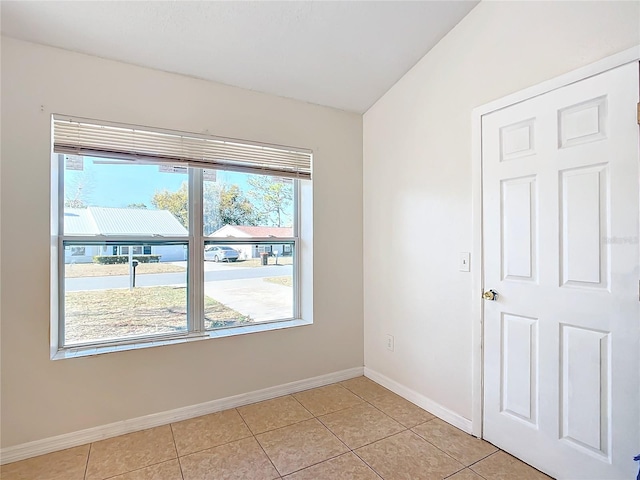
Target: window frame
x,y
302,253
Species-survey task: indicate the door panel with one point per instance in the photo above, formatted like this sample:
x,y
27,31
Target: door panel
x,y
519,380
584,194
519,228
585,388
560,236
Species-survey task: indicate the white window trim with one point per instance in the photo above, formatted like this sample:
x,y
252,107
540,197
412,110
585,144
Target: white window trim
x,y
303,275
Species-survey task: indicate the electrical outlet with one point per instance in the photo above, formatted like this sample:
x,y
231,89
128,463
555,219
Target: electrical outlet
x,y
390,342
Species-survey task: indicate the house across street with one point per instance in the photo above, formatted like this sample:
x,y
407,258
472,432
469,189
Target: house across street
x,y
123,221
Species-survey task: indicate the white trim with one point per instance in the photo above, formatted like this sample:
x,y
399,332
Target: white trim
x,y
477,285
608,63
82,437
414,397
98,348
195,264
627,56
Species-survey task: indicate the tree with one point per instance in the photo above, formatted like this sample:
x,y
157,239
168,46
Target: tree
x,y
274,197
137,205
176,202
234,208
211,207
77,190
75,203
222,205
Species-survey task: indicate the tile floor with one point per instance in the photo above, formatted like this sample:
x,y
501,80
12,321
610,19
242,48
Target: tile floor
x,y
349,430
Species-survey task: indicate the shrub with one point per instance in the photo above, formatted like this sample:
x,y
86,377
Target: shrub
x,y
114,259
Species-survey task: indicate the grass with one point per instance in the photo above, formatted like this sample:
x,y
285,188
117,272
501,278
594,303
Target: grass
x,y
255,262
117,313
286,281
96,270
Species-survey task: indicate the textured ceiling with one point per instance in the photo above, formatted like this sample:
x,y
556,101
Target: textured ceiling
x,y
342,54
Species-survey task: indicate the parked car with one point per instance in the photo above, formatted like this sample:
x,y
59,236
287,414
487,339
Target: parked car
x,y
219,253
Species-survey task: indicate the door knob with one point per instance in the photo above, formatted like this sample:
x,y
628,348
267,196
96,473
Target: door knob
x,y
490,295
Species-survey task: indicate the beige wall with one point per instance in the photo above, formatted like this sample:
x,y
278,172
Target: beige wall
x,y
42,398
417,177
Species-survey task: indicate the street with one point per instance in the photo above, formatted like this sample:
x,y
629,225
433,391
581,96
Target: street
x,y
213,273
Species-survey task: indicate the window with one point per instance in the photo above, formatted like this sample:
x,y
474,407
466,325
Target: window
x,y
135,250
179,236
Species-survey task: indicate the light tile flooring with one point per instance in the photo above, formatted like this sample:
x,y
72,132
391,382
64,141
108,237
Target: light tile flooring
x,y
350,430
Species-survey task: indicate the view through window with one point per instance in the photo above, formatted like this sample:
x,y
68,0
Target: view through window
x,y
132,257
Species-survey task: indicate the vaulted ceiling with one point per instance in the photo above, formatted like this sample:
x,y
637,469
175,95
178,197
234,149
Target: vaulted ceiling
x,y
342,54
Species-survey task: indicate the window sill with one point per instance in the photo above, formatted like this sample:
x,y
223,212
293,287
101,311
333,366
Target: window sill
x,y
87,351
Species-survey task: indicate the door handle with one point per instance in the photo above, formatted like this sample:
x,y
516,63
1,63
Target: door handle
x,y
491,295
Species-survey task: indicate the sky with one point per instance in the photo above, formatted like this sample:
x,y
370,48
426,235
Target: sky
x,y
121,184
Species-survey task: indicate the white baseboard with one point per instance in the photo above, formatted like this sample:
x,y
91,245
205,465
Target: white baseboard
x,y
82,437
429,405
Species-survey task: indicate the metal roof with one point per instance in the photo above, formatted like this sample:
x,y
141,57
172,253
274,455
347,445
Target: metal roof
x,y
121,221
77,221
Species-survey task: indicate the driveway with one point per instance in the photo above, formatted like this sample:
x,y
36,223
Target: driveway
x,y
253,297
242,289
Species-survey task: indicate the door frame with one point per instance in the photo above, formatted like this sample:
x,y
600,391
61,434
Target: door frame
x,y
477,266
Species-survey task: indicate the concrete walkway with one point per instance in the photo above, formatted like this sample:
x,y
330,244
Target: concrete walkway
x,y
253,297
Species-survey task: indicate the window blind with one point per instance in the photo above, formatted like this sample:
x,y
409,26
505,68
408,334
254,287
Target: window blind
x,y
132,143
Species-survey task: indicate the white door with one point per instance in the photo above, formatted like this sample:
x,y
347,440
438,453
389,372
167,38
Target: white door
x,y
560,236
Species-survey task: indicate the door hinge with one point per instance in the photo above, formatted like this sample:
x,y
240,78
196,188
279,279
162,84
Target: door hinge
x,y
638,113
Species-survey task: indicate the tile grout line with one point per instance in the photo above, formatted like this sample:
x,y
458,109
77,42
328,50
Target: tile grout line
x,y
471,470
404,429
86,465
485,457
259,444
318,463
285,426
215,446
367,464
318,418
362,401
244,421
457,471
140,468
385,413
476,473
255,435
292,395
339,409
446,453
410,429
175,447
326,459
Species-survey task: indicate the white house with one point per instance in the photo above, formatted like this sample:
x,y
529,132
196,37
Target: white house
x,y
253,250
109,221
